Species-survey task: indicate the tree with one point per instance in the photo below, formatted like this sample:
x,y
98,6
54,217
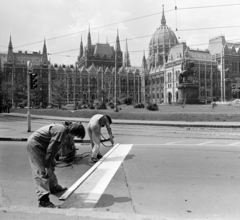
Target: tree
x,y
35,97
58,91
6,91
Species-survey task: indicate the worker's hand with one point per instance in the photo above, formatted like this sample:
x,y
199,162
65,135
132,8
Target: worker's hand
x,y
54,163
46,175
111,139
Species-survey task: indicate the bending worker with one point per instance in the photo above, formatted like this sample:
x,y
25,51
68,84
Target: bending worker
x,y
94,131
43,146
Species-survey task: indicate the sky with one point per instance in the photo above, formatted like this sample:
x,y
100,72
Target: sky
x,y
62,23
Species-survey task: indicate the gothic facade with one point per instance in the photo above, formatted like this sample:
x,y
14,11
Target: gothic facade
x,y
14,75
104,71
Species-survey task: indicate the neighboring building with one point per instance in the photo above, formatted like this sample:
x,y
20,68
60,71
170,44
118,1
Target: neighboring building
x,y
15,73
216,74
205,83
3,59
227,56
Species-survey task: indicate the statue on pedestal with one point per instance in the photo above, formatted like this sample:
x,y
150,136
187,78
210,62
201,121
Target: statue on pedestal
x,y
187,75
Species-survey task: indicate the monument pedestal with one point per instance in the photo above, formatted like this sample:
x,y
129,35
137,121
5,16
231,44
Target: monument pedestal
x,y
188,93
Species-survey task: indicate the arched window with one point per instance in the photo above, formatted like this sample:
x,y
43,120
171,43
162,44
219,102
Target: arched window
x,y
124,86
93,83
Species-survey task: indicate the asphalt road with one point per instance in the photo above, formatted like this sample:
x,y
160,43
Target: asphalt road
x,y
155,173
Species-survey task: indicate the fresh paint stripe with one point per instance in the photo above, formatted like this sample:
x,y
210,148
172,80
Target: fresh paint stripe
x,y
86,175
92,189
204,143
234,144
170,143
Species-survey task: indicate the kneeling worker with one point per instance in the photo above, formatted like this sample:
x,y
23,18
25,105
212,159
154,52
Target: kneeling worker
x,y
94,131
43,146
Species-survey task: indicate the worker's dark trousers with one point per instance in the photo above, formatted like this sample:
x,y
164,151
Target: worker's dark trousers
x,y
37,160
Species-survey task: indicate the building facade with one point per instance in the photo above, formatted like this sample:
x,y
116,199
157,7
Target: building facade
x,y
14,75
216,69
104,72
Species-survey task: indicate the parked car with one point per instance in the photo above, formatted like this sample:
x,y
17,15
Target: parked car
x,y
20,105
68,107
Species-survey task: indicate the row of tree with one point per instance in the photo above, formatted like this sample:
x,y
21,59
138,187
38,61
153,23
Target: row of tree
x,y
18,94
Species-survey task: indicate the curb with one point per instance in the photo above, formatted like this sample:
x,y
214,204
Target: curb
x,y
173,124
180,125
25,139
12,139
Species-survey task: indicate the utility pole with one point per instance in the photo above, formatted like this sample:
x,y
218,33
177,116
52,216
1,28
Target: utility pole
x,y
12,88
138,91
75,86
29,69
116,108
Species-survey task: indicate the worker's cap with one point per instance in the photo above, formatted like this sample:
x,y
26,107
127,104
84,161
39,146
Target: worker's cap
x,y
109,119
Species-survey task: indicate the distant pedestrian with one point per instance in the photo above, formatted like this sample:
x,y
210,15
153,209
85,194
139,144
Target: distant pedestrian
x,y
183,104
4,108
7,108
214,104
43,146
94,131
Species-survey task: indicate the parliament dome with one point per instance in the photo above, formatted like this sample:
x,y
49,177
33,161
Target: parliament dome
x,y
163,35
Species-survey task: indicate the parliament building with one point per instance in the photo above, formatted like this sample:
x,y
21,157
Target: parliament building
x,y
102,70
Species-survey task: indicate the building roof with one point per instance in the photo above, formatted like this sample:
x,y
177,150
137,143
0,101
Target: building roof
x,y
199,55
23,57
103,49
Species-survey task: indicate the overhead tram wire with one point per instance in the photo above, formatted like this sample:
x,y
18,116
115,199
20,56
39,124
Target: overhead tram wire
x,y
208,6
136,51
56,53
193,29
132,19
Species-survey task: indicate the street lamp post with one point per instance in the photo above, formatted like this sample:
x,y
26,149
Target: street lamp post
x,y
75,86
29,67
138,90
116,108
67,87
12,88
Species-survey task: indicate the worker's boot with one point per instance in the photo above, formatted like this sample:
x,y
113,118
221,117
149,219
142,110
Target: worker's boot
x,y
44,202
99,156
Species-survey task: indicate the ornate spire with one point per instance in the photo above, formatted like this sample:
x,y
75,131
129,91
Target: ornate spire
x,y
44,54
144,62
81,49
117,48
126,61
163,21
44,46
89,42
10,47
10,55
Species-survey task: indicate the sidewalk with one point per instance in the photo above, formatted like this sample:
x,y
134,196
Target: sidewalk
x,y
139,122
16,132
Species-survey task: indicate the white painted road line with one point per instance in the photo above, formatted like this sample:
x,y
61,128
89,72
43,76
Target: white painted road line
x,y
170,143
205,143
234,144
86,175
93,187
